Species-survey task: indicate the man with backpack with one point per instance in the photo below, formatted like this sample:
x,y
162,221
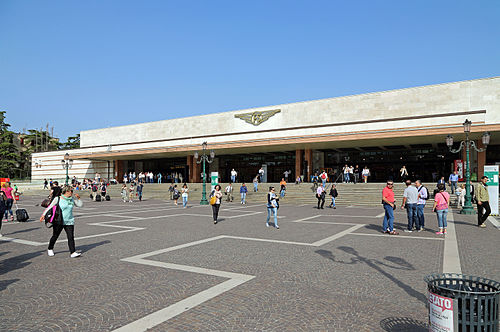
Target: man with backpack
x,y
423,196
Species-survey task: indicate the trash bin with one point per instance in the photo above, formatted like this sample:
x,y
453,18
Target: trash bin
x,y
463,303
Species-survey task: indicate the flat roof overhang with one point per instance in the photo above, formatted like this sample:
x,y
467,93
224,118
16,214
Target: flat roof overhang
x,y
397,136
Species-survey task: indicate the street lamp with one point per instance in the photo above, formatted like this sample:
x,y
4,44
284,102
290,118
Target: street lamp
x,y
66,163
204,158
468,208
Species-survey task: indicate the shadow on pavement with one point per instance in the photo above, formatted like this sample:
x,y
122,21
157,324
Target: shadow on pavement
x,y
396,263
397,324
5,283
88,247
24,231
17,262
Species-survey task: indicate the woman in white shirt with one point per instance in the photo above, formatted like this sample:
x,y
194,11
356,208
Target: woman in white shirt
x,y
185,192
217,193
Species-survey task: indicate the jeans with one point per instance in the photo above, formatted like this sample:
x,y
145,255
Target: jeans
x,y
282,193
243,197
215,211
483,211
233,178
324,182
441,215
8,207
453,186
420,215
184,201
388,218
271,211
333,202
159,180
346,177
255,186
70,233
411,211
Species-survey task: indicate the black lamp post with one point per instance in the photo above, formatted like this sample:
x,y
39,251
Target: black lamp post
x,y
468,208
204,158
66,163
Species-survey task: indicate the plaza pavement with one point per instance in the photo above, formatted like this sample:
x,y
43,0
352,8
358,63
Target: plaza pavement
x,y
153,265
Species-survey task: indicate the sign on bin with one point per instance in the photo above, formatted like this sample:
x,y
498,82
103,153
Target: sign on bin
x,y
441,318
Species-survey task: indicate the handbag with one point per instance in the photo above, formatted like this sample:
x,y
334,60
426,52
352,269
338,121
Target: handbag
x,y
53,216
213,200
45,203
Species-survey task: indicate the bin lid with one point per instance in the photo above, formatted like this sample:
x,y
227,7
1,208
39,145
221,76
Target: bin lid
x,y
463,283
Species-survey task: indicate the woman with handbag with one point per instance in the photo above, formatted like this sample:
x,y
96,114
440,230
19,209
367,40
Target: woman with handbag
x,y
7,190
185,194
441,202
272,207
176,194
3,198
65,221
215,199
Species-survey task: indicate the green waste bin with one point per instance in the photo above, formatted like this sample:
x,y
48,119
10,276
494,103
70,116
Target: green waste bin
x,y
462,303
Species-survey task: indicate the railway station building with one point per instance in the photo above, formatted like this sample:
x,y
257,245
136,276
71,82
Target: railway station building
x,y
381,130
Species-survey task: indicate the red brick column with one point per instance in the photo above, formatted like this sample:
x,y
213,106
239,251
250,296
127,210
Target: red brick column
x,y
308,158
298,163
119,170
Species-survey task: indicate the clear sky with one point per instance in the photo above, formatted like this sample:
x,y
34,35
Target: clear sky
x,y
90,64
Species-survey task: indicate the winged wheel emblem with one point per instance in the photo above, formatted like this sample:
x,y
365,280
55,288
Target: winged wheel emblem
x,y
256,118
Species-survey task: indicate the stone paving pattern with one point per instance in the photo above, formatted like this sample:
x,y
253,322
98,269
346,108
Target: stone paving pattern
x,y
354,283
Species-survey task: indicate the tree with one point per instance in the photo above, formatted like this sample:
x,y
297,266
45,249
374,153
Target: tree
x,y
9,153
73,142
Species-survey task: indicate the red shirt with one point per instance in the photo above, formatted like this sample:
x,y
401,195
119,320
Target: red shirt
x,y
8,192
388,194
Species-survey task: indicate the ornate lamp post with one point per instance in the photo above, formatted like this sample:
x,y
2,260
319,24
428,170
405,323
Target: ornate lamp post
x,y
66,163
468,208
204,158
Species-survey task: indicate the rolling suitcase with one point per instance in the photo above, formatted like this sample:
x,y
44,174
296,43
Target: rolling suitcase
x,y
97,198
108,198
21,215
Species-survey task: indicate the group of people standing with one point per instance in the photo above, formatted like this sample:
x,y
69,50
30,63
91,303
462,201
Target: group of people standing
x,y
415,197
353,174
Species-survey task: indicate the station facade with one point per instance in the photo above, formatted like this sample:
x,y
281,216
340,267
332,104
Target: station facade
x,y
381,130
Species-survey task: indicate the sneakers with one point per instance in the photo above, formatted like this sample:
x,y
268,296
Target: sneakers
x,y
439,233
277,227
408,231
75,254
445,232
420,229
50,252
215,222
267,224
1,235
482,225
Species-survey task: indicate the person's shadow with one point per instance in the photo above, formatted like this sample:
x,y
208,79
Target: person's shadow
x,y
88,247
395,263
17,262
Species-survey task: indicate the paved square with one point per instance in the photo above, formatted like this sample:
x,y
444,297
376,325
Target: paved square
x,y
154,265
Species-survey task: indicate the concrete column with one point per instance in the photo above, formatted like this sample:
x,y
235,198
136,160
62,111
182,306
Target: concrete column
x,y
309,167
298,162
481,160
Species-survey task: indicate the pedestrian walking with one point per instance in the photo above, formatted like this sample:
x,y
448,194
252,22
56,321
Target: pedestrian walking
x,y
365,173
159,177
356,174
453,180
45,184
423,196
3,199
185,194
282,188
256,183
320,195
403,173
228,191
140,188
410,199
483,202
131,193
346,173
124,193
66,203
176,194
460,192
441,203
217,193
389,204
286,174
272,207
243,193
171,191
233,175
324,178
261,174
7,190
333,193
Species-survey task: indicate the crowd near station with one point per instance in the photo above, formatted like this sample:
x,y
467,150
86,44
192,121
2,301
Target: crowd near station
x,y
61,200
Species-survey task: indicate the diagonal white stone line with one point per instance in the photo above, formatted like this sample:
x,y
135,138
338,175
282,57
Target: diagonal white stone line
x,y
266,240
400,237
30,243
336,236
307,218
451,257
380,215
494,222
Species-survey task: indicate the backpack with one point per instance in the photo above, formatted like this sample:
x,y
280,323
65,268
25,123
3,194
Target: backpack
x,y
426,191
54,215
323,176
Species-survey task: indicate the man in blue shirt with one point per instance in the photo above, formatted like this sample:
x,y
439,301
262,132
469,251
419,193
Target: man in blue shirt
x,y
453,180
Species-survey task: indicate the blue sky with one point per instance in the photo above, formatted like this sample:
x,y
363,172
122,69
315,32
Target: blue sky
x,y
81,65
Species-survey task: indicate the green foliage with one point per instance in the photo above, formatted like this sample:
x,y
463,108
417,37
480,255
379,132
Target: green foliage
x,y
73,142
9,154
